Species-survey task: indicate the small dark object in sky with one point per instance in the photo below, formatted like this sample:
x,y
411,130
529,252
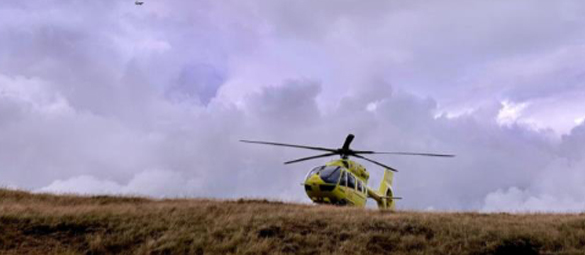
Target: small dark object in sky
x,y
138,3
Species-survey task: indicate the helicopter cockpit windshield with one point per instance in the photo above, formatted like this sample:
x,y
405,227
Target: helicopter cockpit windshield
x,y
329,174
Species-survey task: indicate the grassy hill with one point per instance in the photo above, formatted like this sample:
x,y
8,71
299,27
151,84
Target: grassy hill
x,y
49,224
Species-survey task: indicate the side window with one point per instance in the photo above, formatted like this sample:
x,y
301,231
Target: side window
x,y
359,185
350,181
343,181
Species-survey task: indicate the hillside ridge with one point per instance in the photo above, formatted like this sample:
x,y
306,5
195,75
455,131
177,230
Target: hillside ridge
x,y
70,224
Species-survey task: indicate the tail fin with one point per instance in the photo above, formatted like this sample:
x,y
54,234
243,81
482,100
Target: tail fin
x,y
385,191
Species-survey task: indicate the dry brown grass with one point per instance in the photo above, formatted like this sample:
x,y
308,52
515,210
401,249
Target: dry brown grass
x,y
49,224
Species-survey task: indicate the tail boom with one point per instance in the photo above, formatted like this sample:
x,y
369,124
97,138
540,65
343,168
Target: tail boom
x,y
384,194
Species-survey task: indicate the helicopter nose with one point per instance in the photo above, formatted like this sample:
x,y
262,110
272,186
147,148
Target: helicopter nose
x,y
313,181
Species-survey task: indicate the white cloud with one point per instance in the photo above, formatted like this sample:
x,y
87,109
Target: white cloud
x,y
94,95
558,187
510,112
155,183
516,200
83,184
34,94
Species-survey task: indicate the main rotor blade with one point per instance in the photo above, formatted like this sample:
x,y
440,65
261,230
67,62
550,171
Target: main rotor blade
x,y
375,162
290,145
405,153
309,158
347,142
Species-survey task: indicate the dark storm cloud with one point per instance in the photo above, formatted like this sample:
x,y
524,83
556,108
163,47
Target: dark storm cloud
x,y
109,97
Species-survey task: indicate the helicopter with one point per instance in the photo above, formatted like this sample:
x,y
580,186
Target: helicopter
x,y
343,181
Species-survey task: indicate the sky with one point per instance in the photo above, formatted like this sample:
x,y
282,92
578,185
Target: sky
x,y
107,97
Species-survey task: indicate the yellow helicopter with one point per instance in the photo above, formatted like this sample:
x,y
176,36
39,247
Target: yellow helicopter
x,y
343,181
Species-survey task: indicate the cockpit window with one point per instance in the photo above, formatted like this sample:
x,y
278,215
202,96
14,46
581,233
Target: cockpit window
x,y
330,174
314,171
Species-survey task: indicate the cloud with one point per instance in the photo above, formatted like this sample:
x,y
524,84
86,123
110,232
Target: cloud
x,y
558,186
155,183
559,189
108,97
516,200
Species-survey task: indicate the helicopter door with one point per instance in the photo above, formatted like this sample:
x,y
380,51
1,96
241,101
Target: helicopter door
x,y
350,181
360,189
343,181
351,187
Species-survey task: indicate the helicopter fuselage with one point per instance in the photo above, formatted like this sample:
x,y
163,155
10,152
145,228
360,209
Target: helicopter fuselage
x,y
339,182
